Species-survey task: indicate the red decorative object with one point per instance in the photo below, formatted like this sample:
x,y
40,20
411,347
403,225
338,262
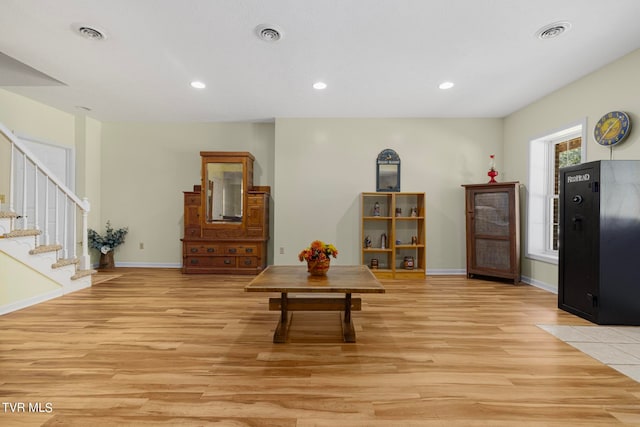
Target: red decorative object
x,y
492,170
318,267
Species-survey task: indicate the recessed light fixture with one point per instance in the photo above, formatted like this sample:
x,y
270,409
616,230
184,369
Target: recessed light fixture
x,y
553,30
446,85
269,33
198,85
319,85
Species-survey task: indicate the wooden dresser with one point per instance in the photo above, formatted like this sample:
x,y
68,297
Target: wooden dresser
x,y
226,227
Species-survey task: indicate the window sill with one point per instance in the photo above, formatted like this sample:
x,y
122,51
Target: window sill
x,y
544,257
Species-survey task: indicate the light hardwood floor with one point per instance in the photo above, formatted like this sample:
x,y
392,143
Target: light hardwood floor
x,y
155,347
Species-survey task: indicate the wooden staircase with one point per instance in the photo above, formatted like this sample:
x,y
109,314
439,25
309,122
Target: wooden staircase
x,y
21,247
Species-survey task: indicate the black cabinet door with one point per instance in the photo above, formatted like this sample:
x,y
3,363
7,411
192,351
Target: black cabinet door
x,y
579,233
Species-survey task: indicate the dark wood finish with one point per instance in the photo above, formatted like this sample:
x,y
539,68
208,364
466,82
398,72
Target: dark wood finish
x,y
493,230
226,247
402,227
339,279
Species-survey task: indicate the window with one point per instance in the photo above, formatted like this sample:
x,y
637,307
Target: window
x,y
547,155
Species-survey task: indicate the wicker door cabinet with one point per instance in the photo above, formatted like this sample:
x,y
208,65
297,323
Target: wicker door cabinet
x,y
493,230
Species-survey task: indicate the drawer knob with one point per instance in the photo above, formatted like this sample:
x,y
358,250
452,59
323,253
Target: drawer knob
x,y
194,250
247,261
211,250
249,250
232,250
194,261
227,261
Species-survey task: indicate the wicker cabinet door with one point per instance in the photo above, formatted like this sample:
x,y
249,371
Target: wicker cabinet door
x,y
493,230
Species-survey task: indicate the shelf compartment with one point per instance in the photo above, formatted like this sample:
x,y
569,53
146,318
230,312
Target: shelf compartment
x,y
403,229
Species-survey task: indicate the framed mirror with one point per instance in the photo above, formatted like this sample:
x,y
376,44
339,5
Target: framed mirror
x,y
388,171
223,197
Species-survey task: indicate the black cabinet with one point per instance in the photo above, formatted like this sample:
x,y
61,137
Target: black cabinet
x,y
599,254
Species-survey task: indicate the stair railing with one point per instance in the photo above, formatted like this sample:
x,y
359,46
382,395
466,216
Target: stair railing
x,y
43,203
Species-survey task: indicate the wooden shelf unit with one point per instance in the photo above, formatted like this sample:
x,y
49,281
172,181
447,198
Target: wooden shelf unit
x,y
399,230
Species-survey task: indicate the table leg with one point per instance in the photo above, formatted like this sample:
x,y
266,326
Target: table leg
x,y
282,330
348,331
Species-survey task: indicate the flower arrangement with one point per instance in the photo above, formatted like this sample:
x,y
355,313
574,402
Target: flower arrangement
x,y
108,242
318,251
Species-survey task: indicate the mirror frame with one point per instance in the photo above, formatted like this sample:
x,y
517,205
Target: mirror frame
x,y
246,159
387,158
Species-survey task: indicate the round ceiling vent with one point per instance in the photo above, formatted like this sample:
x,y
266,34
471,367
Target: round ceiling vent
x,y
553,30
269,33
91,33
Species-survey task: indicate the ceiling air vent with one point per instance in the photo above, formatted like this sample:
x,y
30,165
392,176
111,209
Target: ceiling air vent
x,y
90,32
269,33
553,30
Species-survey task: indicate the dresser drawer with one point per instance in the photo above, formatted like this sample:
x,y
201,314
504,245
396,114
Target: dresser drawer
x,y
192,248
211,262
247,261
240,249
192,200
192,232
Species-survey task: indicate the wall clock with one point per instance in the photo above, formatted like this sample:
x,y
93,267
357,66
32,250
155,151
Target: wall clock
x,y
612,128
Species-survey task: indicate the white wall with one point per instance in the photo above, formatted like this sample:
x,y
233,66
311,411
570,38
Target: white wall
x,y
145,169
614,87
37,120
318,167
322,166
21,286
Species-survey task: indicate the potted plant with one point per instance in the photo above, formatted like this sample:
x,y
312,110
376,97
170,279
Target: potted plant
x,y
318,256
106,244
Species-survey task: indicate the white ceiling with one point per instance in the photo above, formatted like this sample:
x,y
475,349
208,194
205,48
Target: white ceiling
x,y
380,58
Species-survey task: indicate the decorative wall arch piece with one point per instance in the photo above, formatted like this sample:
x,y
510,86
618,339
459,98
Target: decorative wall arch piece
x,y
388,171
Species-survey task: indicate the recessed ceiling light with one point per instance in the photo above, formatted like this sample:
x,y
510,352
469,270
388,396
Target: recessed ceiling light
x,y
198,85
446,85
553,30
319,85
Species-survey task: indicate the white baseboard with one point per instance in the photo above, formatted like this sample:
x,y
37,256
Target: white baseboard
x,y
146,265
538,284
445,272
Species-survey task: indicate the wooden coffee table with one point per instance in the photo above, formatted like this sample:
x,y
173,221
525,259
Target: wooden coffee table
x,y
340,279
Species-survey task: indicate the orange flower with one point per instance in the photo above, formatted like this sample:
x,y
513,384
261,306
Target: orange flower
x,y
319,251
